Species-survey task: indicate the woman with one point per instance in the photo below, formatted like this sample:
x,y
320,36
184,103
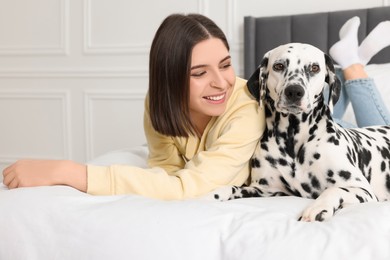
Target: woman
x,y
200,122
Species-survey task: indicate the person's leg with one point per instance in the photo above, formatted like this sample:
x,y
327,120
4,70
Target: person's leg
x,y
345,51
342,103
375,41
361,90
366,100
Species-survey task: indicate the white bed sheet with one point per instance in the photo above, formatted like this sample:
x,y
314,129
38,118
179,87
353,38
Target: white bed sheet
x,y
62,223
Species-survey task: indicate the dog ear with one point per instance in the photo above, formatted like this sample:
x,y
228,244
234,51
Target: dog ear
x,y
256,82
333,82
254,85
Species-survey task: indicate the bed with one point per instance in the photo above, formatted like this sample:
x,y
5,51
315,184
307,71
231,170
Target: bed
x,y
60,222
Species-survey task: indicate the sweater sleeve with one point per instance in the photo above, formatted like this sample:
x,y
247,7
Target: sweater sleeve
x,y
225,161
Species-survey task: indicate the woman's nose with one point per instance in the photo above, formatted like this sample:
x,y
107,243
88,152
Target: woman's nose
x,y
219,81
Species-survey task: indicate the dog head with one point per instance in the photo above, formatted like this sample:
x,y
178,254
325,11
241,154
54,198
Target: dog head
x,y
294,75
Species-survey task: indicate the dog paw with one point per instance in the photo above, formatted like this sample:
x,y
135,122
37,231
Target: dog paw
x,y
219,194
317,213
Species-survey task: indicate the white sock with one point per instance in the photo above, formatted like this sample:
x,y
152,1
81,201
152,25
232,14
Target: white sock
x,y
345,51
375,41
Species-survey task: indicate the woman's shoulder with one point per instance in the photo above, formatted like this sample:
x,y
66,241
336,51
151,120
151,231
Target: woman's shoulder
x,y
241,92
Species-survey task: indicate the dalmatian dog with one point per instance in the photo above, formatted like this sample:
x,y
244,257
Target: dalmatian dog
x,y
303,152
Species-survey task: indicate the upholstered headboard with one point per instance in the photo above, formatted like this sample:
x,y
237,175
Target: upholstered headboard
x,y
319,29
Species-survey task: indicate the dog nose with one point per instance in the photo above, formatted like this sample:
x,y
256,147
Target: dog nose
x,y
294,93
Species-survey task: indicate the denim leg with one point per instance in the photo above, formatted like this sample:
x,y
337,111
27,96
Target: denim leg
x,y
341,104
368,106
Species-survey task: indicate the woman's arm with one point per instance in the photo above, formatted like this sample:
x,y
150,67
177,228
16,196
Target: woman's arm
x,y
29,173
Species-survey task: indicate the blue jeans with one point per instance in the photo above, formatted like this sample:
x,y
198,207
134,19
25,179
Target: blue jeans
x,y
366,101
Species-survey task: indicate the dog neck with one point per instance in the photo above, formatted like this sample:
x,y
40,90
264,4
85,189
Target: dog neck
x,y
295,130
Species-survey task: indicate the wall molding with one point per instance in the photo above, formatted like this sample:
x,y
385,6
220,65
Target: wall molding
x,y
91,48
45,50
107,49
93,95
120,72
64,97
203,7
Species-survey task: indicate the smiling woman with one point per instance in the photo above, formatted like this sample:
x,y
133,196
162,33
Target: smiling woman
x,y
201,123
211,82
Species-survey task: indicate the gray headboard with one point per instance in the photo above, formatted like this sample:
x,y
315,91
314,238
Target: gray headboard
x,y
319,29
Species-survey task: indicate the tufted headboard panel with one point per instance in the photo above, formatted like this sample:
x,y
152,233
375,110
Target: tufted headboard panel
x,y
319,29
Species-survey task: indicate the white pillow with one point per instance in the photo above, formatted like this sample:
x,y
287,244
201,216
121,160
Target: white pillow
x,y
381,75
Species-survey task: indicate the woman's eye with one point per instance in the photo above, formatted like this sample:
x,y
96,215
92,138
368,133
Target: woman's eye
x,y
225,66
315,68
278,67
198,74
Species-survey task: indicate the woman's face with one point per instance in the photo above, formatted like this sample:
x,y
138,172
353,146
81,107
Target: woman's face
x,y
212,79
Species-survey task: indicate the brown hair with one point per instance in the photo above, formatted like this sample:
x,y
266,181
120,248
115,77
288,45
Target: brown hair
x,y
169,70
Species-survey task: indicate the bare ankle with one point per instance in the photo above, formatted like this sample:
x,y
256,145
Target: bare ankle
x,y
355,71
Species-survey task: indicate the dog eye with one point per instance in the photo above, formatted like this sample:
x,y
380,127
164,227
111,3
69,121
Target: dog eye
x,y
278,67
315,68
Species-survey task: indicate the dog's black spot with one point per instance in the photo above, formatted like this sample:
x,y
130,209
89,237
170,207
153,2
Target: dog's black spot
x,y
314,195
264,146
385,153
313,129
388,182
255,163
216,196
329,127
317,156
282,162
360,199
285,183
301,155
263,181
271,161
341,203
248,193
333,140
366,192
311,138
351,156
304,117
320,216
315,182
383,166
364,158
330,180
346,175
306,187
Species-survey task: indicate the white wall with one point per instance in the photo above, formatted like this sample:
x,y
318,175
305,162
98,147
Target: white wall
x,y
73,73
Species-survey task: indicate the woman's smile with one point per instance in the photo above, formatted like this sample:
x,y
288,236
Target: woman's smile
x,y
216,98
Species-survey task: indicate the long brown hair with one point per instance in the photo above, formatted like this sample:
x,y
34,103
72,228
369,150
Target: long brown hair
x,y
169,70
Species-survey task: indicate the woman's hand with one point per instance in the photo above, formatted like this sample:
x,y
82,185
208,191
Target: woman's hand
x,y
30,173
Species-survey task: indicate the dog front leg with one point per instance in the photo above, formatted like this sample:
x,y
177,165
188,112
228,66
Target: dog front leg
x,y
333,199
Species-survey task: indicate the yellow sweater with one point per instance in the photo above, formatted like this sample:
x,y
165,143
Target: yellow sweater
x,y
189,167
